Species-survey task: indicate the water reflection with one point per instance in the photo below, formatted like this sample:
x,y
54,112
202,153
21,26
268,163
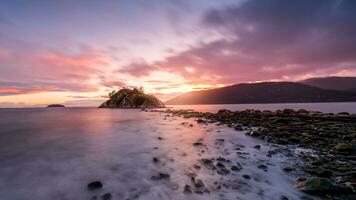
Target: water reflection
x,y
53,154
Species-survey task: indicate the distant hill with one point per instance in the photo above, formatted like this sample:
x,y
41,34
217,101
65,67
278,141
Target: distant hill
x,y
333,83
266,92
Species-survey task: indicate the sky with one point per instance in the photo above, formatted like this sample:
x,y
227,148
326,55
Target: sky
x,y
76,52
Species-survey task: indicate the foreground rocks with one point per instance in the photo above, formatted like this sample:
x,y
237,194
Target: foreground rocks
x,y
331,163
321,186
131,98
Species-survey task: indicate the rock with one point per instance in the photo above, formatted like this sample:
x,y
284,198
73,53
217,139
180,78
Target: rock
x,y
55,106
343,147
201,121
220,165
106,196
257,146
283,197
282,141
198,144
196,166
221,159
187,189
223,171
155,160
288,169
208,163
236,167
299,179
343,114
263,167
127,98
198,183
319,186
95,185
160,176
199,186
238,128
246,176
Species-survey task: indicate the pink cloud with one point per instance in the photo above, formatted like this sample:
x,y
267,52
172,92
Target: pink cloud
x,y
44,70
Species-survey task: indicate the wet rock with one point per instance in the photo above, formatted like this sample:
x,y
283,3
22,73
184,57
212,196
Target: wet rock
x,y
254,133
160,176
201,121
95,185
199,186
198,144
106,196
319,186
299,179
155,160
187,189
288,169
221,159
257,146
263,167
198,183
319,171
236,167
344,147
223,171
282,141
246,176
208,163
220,165
343,114
196,166
219,140
238,128
283,197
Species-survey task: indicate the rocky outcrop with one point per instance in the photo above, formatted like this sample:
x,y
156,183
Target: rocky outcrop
x,y
55,106
131,98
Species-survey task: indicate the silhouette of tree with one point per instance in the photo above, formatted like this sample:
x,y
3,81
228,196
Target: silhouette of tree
x,y
112,93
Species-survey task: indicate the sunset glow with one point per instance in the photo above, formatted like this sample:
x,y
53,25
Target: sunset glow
x,y
75,52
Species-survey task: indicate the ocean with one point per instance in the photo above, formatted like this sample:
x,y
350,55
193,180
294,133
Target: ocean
x,y
53,153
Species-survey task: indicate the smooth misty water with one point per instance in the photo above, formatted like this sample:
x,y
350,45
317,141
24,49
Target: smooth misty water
x,y
54,153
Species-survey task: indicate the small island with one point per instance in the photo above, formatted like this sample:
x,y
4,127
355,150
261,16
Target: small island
x,y
131,98
55,106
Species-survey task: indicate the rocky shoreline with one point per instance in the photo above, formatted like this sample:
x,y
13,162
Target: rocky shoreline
x,y
330,165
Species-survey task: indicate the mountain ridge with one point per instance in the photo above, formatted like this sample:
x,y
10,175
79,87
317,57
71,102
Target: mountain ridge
x,y
333,83
264,92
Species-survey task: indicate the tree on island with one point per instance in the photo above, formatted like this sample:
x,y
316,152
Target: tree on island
x,y
131,98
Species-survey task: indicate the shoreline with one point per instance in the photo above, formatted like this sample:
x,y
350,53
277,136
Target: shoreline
x,y
331,137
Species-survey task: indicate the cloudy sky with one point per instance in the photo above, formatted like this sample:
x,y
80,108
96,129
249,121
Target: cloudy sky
x,y
75,52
